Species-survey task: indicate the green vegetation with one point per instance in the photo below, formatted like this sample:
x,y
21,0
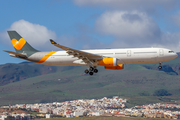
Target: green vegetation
x,y
161,92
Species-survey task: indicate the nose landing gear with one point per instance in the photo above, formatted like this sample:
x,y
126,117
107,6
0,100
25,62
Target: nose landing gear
x,y
91,70
160,67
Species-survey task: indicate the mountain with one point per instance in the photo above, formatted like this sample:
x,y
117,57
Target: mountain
x,y
11,72
31,83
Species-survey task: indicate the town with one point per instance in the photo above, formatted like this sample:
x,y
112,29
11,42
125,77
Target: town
x,y
115,106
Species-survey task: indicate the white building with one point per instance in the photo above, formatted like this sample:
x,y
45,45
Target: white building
x,y
43,110
3,117
48,116
78,113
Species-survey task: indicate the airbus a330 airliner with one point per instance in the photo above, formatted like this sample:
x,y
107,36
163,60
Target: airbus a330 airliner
x,y
113,59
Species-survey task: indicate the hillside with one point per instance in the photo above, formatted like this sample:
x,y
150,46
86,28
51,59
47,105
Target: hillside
x,y
11,72
48,84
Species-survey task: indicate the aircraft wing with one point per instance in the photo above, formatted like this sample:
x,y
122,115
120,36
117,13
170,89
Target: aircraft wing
x,y
85,56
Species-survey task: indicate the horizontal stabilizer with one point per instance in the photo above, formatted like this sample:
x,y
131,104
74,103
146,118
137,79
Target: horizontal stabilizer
x,y
16,54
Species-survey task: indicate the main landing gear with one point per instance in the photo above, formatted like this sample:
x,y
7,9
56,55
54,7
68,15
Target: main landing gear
x,y
91,70
160,67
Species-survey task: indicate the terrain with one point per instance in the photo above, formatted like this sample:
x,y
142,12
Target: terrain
x,y
34,83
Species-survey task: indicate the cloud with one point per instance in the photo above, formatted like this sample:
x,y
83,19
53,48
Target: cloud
x,y
135,29
148,5
36,35
132,22
129,27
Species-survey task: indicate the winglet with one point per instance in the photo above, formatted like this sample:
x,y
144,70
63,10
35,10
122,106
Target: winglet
x,y
52,41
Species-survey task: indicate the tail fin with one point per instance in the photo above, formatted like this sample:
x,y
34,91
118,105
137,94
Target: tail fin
x,y
20,44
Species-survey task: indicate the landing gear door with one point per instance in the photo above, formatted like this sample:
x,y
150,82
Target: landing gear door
x,y
161,52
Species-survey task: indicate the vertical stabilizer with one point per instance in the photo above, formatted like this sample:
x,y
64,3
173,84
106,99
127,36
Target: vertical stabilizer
x,y
20,44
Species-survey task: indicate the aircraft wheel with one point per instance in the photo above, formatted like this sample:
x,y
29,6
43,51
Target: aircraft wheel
x,y
90,73
91,68
160,67
86,71
96,70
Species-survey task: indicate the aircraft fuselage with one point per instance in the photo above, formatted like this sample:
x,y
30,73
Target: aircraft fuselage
x,y
124,56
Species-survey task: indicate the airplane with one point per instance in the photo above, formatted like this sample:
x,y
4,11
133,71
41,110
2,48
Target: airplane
x,y
112,59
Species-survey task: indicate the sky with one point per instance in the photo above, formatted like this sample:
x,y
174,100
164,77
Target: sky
x,y
90,24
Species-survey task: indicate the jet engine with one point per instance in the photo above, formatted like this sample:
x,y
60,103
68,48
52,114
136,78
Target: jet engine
x,y
118,67
108,62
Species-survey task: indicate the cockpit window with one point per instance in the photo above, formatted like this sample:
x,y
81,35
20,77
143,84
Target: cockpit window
x,y
171,51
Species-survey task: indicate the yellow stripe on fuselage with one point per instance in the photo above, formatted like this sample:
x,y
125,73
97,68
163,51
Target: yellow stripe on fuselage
x,y
18,44
46,56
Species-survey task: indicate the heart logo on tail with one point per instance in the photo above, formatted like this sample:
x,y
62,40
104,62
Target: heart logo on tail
x,y
18,44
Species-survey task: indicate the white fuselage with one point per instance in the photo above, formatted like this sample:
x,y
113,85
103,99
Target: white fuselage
x,y
124,56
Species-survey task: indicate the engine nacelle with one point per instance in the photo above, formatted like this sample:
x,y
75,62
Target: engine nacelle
x,y
118,67
108,62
